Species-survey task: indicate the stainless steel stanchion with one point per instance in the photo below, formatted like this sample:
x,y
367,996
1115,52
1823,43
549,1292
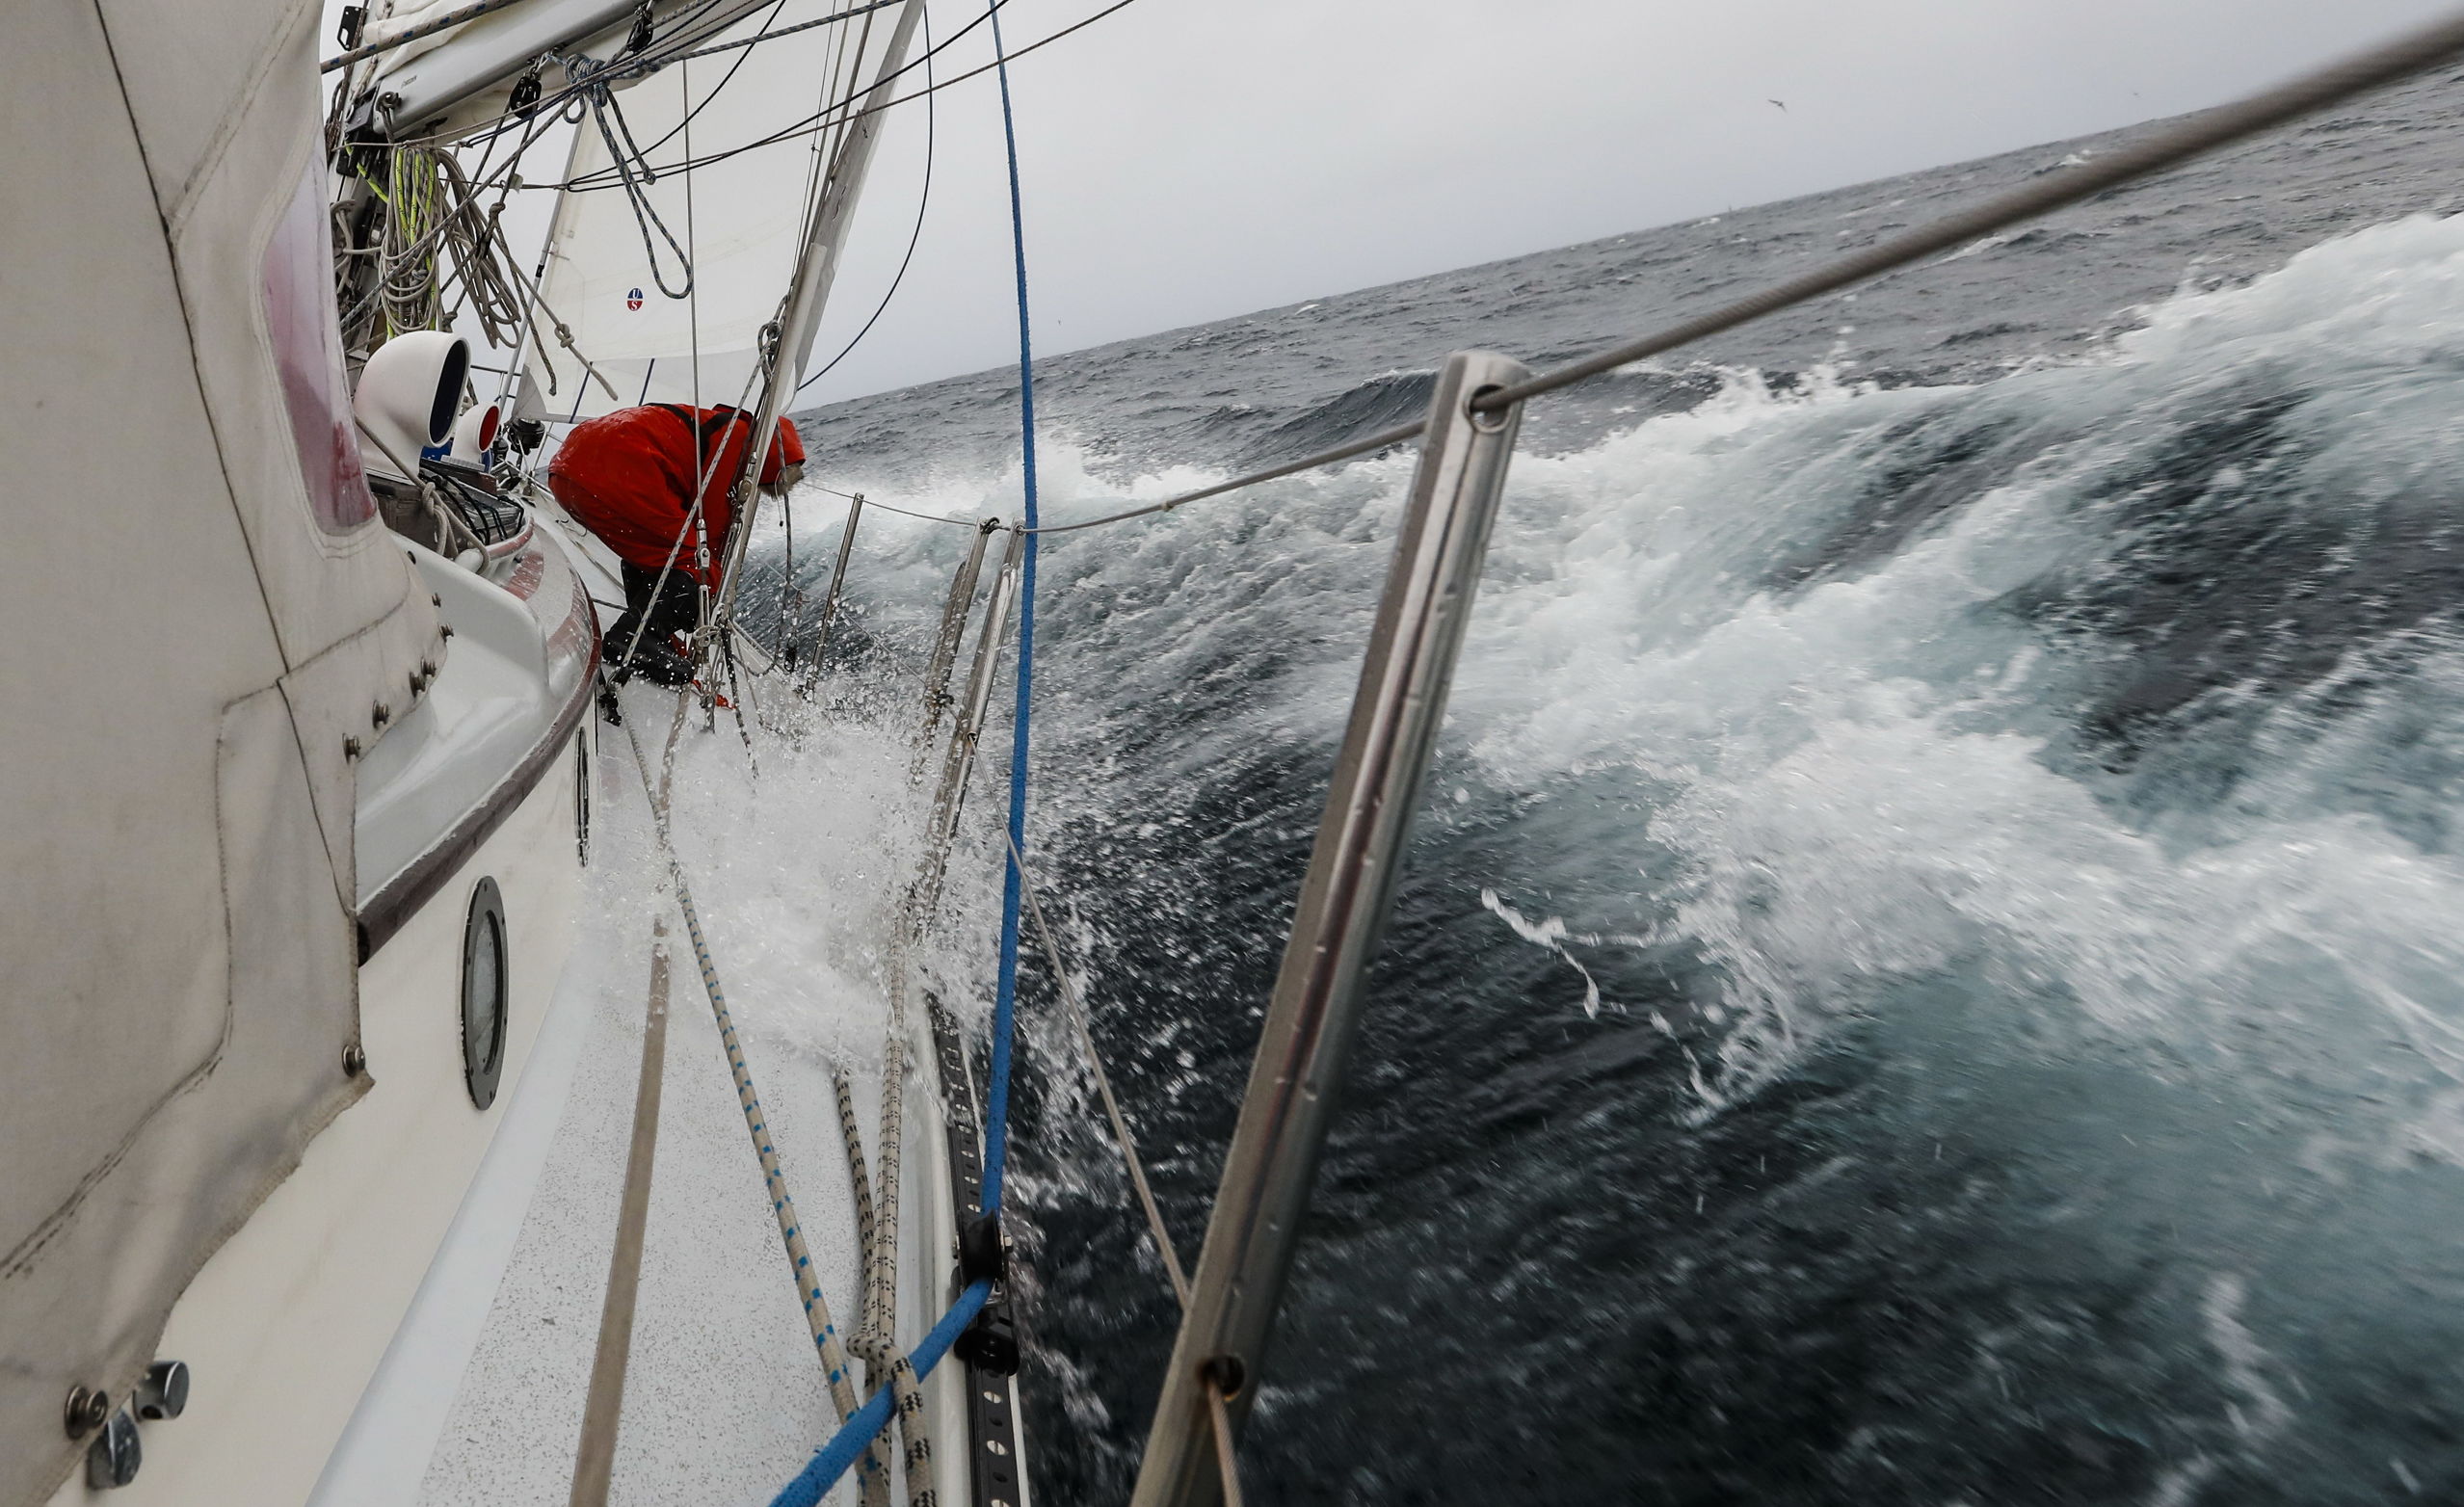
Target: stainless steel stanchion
x,y
1343,901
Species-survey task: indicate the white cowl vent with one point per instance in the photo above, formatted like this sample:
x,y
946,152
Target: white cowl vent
x,y
410,393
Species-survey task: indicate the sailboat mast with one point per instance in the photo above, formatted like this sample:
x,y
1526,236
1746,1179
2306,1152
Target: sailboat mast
x,y
816,267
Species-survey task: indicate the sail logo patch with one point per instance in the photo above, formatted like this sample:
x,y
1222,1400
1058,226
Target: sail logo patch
x,y
633,298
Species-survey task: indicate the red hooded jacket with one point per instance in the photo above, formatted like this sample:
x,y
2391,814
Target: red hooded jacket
x,y
628,477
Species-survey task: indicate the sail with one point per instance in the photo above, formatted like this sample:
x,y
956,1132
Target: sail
x,y
728,232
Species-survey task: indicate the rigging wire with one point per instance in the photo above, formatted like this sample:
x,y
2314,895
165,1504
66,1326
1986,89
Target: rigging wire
x,y
802,307
725,79
821,120
470,186
806,125
636,65
856,1433
693,255
783,31
923,202
821,162
793,594
2206,134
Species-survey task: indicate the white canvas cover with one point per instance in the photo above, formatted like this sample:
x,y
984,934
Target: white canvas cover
x,y
202,632
744,223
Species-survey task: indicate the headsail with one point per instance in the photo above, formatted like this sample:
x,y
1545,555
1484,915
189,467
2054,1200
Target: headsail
x,y
636,230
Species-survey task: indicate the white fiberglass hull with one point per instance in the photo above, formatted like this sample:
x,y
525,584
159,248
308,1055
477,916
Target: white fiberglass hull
x,y
284,1327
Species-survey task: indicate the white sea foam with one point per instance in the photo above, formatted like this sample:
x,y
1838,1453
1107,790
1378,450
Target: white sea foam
x,y
1855,772
1858,783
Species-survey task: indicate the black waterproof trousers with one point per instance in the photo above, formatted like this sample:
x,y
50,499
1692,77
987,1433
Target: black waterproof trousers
x,y
671,619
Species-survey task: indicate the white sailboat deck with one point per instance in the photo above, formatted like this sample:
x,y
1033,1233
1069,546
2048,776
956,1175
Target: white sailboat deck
x,y
723,1398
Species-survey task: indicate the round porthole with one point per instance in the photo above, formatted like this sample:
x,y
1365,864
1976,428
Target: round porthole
x,y
486,972
582,796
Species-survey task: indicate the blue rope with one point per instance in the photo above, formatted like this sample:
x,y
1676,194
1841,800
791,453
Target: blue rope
x,y
853,1437
996,1106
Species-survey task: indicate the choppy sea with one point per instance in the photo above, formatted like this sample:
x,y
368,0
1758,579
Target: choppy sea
x,y
1931,971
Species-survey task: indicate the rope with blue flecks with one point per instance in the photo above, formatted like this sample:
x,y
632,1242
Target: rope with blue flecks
x,y
825,1333
815,1481
886,1367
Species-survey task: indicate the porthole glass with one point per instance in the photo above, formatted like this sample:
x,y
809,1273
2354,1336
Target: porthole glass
x,y
485,976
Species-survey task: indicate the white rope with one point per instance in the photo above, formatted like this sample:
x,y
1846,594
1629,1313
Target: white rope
x,y
885,1362
825,1333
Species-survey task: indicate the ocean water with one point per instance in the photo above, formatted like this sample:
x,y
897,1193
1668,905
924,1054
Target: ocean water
x,y
1929,971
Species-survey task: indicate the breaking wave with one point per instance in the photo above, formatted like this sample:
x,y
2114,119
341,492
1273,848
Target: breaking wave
x,y
1929,968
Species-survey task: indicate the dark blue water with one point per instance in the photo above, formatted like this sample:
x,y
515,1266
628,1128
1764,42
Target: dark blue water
x,y
1931,971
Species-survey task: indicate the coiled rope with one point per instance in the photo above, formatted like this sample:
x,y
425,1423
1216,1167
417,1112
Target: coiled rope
x,y
632,169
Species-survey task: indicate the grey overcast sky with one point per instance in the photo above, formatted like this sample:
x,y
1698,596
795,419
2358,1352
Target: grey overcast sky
x,y
1188,160
1185,161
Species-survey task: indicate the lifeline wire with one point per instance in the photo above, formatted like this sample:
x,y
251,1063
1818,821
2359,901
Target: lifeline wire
x,y
2216,128
2370,71
1342,452
2310,93
904,513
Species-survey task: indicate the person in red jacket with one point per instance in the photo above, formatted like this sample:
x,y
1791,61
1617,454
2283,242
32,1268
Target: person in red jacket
x,y
629,477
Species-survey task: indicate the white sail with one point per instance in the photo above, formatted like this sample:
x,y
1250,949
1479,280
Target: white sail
x,y
611,267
